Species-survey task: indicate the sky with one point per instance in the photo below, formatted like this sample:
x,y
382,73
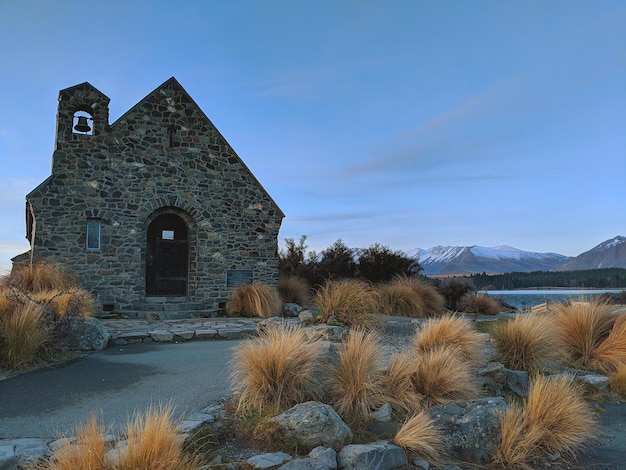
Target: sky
x,y
407,123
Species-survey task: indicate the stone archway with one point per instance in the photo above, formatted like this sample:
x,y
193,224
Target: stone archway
x,y
167,256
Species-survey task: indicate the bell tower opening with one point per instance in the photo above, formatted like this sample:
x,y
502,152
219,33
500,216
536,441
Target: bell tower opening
x,y
82,123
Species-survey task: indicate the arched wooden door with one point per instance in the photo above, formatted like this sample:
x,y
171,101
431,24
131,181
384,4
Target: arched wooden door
x,y
167,256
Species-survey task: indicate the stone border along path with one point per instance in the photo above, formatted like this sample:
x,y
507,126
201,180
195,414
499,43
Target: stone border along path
x,y
23,453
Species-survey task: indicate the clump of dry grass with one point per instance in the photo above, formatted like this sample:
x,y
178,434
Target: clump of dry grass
x,y
88,452
42,276
357,380
349,302
420,437
555,419
255,299
479,304
433,301
23,336
610,355
527,342
153,443
399,389
453,333
397,298
73,302
617,381
274,370
294,289
441,377
583,327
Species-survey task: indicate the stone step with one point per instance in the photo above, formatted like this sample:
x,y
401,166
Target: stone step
x,y
170,306
159,314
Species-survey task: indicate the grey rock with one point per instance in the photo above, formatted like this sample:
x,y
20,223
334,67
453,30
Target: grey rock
x,y
163,336
273,460
314,424
421,464
184,335
379,455
89,334
470,429
495,379
383,413
206,333
326,332
323,458
601,382
291,310
306,316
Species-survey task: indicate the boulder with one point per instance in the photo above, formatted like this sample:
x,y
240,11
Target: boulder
x,y
291,310
470,428
267,461
88,334
320,458
314,424
379,455
496,379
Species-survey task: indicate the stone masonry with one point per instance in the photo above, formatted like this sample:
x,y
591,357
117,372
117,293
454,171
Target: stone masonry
x,y
176,216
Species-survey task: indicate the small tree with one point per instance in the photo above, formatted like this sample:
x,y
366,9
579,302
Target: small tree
x,y
337,262
453,289
291,259
379,263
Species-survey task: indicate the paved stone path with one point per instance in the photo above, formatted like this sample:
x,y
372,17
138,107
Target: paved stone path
x,y
144,331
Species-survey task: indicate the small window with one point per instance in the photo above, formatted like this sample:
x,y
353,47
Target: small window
x,y
167,235
93,234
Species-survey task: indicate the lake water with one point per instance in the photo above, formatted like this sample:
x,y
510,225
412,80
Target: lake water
x,y
531,298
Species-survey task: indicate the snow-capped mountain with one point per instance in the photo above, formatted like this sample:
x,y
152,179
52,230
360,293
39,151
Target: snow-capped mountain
x,y
478,259
608,254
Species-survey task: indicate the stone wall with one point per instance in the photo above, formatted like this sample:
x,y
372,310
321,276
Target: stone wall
x,y
162,156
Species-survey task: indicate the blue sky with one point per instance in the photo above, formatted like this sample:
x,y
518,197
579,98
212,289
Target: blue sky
x,y
408,123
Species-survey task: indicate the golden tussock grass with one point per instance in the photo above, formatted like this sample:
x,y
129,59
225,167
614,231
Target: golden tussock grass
x,y
452,333
555,418
399,389
479,304
617,381
583,327
254,300
440,376
432,300
610,355
527,342
357,384
71,302
294,289
557,412
274,370
42,276
420,437
397,298
153,443
23,336
350,302
88,452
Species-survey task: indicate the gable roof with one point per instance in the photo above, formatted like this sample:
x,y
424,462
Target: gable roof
x,y
172,83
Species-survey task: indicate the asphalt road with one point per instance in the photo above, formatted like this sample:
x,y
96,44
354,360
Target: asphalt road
x,y
113,384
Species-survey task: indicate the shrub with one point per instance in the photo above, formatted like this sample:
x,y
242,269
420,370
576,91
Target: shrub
x,y
420,437
617,381
451,333
453,289
349,301
274,370
583,326
527,342
556,412
399,389
153,443
440,377
397,298
479,304
293,289
378,263
357,380
86,453
23,336
42,276
254,300
610,355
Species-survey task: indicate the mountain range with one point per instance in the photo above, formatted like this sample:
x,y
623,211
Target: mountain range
x,y
441,260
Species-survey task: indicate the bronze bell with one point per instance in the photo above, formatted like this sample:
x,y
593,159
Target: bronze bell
x,y
81,125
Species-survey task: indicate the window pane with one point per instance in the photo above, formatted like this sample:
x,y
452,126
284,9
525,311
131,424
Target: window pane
x,y
93,234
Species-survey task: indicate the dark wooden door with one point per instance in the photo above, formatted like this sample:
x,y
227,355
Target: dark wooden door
x,y
167,256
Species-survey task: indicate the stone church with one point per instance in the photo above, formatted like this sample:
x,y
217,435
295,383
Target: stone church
x,y
155,211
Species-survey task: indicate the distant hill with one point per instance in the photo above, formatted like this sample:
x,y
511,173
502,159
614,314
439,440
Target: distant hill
x,y
442,260
608,254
